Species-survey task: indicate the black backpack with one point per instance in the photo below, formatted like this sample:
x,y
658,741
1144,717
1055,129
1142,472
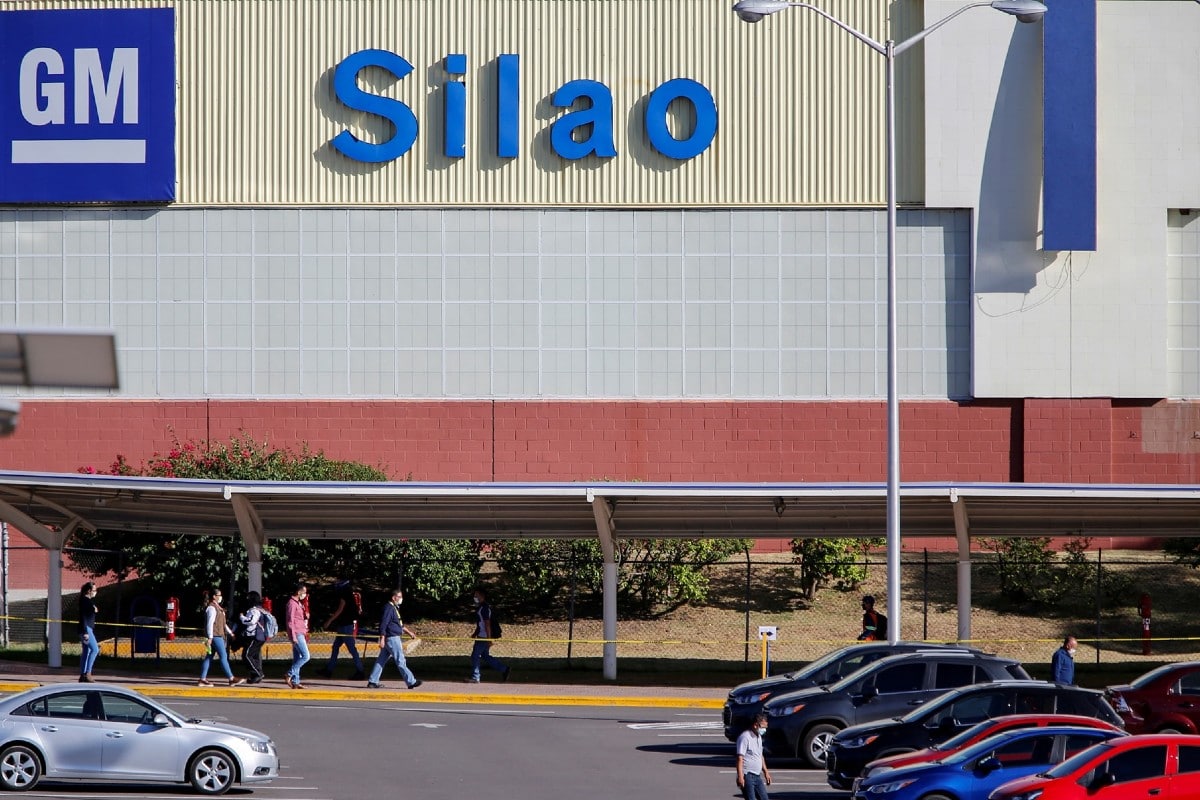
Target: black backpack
x,y
497,631
881,627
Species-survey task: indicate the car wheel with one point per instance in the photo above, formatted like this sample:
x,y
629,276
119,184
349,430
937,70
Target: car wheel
x,y
1170,729
936,797
20,768
816,744
212,772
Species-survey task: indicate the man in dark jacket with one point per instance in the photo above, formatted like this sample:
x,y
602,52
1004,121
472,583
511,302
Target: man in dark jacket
x,y
874,626
1062,665
391,643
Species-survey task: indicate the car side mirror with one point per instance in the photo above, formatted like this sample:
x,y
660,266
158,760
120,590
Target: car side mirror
x,y
1102,780
160,720
947,724
869,692
987,764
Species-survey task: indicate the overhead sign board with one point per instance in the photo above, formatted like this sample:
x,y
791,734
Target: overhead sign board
x,y
87,105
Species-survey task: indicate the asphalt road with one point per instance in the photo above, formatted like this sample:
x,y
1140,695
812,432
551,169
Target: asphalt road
x,y
366,751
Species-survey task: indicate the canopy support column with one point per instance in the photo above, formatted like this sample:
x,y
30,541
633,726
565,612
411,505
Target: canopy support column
x,y
962,531
253,536
602,510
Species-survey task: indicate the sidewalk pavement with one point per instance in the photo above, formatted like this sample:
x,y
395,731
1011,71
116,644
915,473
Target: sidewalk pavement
x,y
16,676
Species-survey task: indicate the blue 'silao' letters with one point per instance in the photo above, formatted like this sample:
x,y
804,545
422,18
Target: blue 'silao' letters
x,y
587,130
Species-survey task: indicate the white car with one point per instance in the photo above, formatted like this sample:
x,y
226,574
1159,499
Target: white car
x,y
98,732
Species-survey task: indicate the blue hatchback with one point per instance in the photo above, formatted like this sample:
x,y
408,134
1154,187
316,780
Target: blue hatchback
x,y
972,773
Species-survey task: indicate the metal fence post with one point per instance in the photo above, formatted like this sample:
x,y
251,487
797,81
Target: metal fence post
x,y
925,600
1099,568
747,657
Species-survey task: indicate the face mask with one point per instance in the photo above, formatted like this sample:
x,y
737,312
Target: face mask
x,y
1071,652
477,600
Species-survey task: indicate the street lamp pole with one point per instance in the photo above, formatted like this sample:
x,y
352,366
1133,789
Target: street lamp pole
x,y
1024,11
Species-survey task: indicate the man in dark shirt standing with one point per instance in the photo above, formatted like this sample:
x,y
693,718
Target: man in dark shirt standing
x,y
870,622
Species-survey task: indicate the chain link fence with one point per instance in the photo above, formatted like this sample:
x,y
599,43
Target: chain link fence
x,y
1019,608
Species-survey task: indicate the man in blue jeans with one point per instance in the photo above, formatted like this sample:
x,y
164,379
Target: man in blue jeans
x,y
753,777
484,635
344,622
391,643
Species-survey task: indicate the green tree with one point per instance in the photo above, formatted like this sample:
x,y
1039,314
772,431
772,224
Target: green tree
x,y
831,561
441,570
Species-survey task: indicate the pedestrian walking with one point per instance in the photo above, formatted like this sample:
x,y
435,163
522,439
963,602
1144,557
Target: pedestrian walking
x,y
296,615
1062,664
874,624
344,622
256,636
753,777
89,646
217,633
391,643
485,632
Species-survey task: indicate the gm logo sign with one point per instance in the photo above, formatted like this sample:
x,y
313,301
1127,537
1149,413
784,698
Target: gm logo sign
x,y
87,106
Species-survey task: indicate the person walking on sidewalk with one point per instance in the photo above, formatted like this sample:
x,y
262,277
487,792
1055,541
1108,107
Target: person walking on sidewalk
x,y
391,643
344,622
484,634
256,636
89,647
216,632
297,630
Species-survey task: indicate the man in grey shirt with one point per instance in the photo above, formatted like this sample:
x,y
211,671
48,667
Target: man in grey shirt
x,y
753,777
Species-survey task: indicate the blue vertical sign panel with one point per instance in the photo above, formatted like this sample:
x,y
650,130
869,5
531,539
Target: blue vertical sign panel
x,y
1069,135
87,106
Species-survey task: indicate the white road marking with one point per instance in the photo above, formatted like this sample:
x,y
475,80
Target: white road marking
x,y
425,725
651,726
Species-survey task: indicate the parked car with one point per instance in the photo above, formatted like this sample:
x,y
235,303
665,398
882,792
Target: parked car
x,y
978,733
746,700
1160,766
803,723
854,748
1164,700
99,732
973,772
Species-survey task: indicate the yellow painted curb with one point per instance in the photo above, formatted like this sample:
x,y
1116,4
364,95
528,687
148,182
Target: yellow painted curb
x,y
399,695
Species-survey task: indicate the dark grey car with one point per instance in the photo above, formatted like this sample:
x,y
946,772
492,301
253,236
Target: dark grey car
x,y
802,724
747,699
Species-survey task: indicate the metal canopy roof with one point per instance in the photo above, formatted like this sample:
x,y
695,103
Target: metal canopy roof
x,y
172,507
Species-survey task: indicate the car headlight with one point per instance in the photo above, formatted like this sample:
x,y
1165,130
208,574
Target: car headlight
x,y
749,699
257,745
859,741
894,786
1032,794
783,711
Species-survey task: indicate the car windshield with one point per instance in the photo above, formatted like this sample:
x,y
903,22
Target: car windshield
x,y
955,742
930,708
980,748
818,665
1151,676
1078,760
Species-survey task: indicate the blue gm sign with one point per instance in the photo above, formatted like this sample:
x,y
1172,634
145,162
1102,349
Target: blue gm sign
x,y
87,106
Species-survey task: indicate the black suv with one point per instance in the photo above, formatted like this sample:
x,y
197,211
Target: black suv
x,y
746,700
803,723
940,719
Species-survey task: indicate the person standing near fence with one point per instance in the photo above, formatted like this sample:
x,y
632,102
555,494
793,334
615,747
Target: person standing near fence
x,y
217,633
391,643
256,636
1062,665
874,624
484,636
297,630
89,647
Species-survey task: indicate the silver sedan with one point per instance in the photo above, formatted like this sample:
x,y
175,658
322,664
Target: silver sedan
x,y
97,732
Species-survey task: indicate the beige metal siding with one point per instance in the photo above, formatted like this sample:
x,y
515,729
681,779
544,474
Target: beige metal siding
x,y
800,102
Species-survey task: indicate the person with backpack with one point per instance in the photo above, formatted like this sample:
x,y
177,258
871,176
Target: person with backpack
x,y
297,631
874,624
485,632
254,631
344,622
391,643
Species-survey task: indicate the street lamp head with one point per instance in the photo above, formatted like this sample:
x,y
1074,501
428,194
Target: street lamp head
x,y
1023,10
755,10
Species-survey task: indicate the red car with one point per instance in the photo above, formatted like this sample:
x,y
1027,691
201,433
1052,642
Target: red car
x,y
1153,766
1164,700
983,730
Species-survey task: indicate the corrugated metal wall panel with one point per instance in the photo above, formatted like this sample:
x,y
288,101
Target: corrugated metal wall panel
x,y
800,102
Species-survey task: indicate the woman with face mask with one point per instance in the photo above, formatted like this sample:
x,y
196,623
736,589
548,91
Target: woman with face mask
x,y
484,635
391,643
89,647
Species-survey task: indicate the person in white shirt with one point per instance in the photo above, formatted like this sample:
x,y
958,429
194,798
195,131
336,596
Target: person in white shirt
x,y
753,777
